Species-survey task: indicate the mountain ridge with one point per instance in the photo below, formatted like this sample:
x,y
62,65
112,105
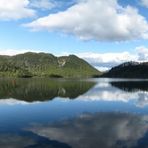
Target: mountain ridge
x,y
130,69
45,65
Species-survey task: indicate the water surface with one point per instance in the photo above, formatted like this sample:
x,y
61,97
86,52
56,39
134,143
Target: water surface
x,y
59,113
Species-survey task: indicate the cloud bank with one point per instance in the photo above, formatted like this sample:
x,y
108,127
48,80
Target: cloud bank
x,y
105,61
96,20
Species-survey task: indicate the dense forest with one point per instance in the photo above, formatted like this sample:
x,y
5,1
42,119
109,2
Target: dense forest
x,y
45,65
128,70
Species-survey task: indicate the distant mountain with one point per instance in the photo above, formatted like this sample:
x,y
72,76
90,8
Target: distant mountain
x,y
45,65
128,70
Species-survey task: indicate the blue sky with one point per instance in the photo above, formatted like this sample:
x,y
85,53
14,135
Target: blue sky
x,y
105,33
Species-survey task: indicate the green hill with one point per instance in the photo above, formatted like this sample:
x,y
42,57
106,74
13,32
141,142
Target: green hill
x,y
128,70
45,65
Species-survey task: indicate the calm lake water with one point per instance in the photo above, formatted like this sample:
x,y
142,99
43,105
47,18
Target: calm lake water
x,y
93,113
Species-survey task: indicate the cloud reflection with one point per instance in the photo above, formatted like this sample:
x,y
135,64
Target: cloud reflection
x,y
106,130
105,91
28,140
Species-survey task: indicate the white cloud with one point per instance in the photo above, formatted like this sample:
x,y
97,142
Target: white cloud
x,y
105,61
142,53
15,9
96,19
144,3
43,4
14,51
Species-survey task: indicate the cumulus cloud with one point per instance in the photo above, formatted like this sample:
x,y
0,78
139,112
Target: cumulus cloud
x,y
15,9
144,3
43,4
96,19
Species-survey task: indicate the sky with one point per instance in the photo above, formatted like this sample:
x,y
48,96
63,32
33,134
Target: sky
x,y
103,32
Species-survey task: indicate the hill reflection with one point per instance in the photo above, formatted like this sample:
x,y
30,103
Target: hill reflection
x,y
42,89
131,86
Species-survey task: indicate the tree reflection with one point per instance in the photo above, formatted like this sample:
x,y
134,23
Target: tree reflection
x,y
42,89
131,86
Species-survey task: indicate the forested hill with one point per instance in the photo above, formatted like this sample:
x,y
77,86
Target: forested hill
x,y
45,65
128,70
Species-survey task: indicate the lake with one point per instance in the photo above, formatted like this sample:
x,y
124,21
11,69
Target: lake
x,y
60,113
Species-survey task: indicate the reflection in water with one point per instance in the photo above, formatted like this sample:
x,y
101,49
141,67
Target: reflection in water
x,y
106,130
24,91
108,91
42,89
139,88
28,140
131,86
99,113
